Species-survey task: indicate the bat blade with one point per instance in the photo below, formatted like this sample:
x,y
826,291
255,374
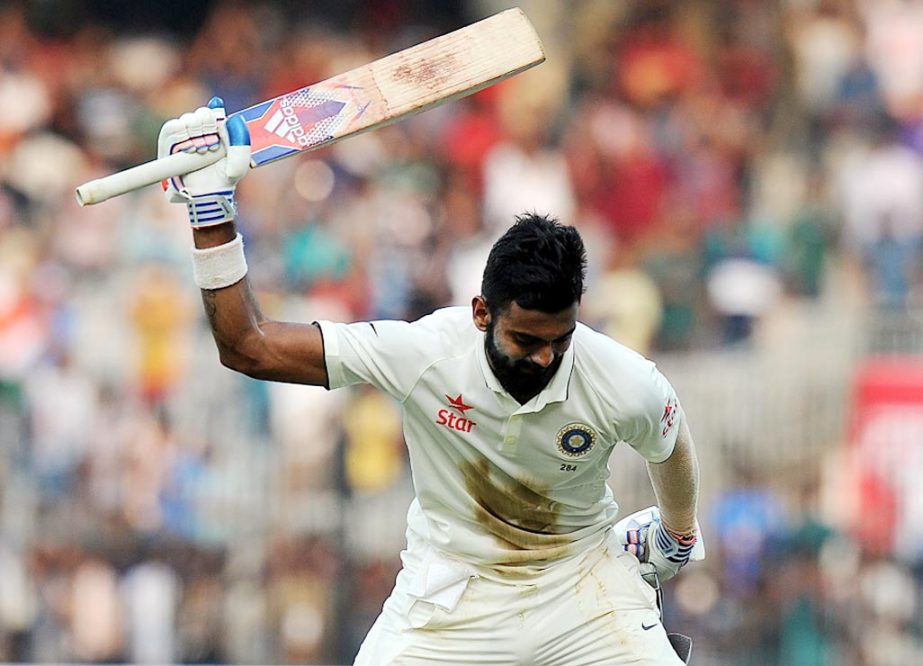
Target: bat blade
x,y
411,81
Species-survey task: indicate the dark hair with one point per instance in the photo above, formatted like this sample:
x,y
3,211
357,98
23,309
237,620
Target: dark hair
x,y
538,263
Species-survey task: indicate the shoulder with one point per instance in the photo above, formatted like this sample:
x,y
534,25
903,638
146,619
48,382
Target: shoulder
x,y
446,331
620,375
450,327
456,319
393,354
606,359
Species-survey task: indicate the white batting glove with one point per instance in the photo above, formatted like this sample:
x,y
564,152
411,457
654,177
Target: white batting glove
x,y
208,193
661,554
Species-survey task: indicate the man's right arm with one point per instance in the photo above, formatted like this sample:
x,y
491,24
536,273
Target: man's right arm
x,y
247,341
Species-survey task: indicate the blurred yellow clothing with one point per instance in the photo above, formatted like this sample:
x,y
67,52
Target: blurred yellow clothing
x,y
373,448
158,317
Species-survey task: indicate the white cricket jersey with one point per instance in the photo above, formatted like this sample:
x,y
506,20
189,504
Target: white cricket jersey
x,y
499,484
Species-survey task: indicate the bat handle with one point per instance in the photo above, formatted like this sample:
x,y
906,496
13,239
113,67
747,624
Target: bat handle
x,y
177,164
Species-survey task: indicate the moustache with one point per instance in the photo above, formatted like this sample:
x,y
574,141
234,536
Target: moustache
x,y
530,368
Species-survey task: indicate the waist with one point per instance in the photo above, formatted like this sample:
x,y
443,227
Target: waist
x,y
494,556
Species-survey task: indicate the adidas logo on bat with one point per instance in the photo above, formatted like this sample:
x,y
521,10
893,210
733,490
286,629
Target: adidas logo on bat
x,y
285,123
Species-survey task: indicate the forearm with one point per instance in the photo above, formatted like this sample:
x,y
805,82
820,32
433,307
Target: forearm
x,y
676,484
250,343
233,313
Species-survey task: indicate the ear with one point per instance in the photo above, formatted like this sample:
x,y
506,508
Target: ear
x,y
479,313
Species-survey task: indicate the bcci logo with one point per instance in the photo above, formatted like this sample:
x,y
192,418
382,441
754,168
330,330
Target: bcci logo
x,y
576,439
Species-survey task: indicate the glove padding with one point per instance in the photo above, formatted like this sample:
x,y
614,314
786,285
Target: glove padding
x,y
642,534
209,192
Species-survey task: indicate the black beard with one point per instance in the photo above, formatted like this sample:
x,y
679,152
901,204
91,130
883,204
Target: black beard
x,y
522,379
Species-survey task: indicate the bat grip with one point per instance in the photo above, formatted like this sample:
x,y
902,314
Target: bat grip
x,y
177,164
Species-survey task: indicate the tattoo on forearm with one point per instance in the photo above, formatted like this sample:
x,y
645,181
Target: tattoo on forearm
x,y
239,308
211,308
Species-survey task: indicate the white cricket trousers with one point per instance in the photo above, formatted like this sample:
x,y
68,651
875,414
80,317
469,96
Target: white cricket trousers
x,y
591,609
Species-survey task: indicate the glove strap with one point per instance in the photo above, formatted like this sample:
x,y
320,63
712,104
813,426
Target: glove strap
x,y
207,210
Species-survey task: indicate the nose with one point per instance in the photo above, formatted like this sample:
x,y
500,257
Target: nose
x,y
542,356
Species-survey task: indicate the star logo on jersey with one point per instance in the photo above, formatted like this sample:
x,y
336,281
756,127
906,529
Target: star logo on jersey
x,y
450,420
576,440
457,403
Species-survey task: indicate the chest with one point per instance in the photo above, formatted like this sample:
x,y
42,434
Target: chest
x,y
455,416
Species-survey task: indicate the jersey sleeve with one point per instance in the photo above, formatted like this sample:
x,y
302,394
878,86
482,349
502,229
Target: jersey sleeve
x,y
390,355
654,426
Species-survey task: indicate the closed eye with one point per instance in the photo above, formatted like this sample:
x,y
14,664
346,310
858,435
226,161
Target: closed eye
x,y
530,341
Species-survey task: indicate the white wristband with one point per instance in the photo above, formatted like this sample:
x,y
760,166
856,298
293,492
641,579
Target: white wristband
x,y
220,266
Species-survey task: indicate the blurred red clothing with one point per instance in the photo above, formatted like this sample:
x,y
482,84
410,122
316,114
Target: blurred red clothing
x,y
631,198
653,65
471,135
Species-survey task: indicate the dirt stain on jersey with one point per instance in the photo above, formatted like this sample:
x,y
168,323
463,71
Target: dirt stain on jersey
x,y
517,512
601,607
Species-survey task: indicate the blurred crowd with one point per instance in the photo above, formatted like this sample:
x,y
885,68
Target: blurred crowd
x,y
724,159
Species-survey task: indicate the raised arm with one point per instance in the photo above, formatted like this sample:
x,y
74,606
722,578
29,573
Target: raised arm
x,y
250,343
247,341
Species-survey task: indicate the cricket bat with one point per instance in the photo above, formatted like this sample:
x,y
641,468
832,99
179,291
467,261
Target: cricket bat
x,y
421,77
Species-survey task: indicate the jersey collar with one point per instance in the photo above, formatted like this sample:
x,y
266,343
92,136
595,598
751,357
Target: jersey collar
x,y
556,391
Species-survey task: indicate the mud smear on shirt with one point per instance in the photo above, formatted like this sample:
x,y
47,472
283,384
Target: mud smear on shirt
x,y
521,518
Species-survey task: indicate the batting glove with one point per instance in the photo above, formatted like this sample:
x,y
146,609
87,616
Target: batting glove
x,y
208,193
661,553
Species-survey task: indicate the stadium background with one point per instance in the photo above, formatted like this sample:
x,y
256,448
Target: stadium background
x,y
748,175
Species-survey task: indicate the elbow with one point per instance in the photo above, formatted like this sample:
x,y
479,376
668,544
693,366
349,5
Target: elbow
x,y
237,363
243,358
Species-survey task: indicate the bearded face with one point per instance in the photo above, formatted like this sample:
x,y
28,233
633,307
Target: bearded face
x,y
525,347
